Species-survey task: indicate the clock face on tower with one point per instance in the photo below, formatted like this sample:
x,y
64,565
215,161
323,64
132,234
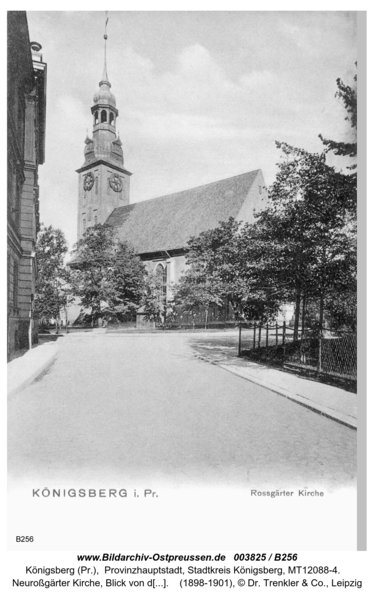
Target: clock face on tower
x,y
115,182
88,181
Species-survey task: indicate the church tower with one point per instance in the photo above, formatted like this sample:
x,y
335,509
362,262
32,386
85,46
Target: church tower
x,y
103,182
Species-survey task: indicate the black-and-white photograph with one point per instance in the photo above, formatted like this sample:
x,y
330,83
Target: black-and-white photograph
x,y
182,264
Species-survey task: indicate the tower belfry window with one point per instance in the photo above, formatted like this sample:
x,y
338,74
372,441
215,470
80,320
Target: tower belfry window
x,y
111,118
103,116
96,117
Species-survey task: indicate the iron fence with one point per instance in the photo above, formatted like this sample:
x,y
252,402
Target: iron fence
x,y
253,336
332,353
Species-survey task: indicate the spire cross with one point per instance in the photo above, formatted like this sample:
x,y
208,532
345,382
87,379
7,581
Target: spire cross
x,y
106,22
105,35
105,74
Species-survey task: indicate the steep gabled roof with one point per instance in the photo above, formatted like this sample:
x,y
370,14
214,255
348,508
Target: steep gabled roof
x,y
168,222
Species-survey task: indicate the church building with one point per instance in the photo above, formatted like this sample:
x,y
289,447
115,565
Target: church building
x,y
158,229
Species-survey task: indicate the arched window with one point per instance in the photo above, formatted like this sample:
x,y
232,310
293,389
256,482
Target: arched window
x,y
161,274
103,116
95,219
84,224
96,117
111,118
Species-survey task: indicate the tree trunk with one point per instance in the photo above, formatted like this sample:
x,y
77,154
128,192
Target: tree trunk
x,y
57,321
303,314
320,328
297,315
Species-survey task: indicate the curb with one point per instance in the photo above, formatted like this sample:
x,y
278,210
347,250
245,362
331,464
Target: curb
x,y
19,385
310,404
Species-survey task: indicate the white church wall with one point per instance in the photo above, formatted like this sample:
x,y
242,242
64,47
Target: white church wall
x,y
255,201
179,267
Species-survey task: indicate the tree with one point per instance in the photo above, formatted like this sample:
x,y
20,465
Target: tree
x,y
202,285
348,95
52,293
196,290
302,247
309,225
154,304
342,307
223,266
128,275
107,276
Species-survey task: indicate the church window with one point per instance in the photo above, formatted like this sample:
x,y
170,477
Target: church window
x,y
103,116
260,189
161,274
95,219
96,117
111,118
84,224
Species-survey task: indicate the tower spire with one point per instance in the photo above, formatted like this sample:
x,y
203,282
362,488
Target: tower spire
x,y
104,184
105,79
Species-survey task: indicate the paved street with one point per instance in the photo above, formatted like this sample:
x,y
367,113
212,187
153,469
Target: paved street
x,y
143,408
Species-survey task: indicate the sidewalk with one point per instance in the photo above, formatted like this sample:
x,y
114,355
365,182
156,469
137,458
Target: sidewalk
x,y
329,401
23,370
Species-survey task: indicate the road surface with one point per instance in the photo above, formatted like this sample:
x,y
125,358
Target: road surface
x,y
143,408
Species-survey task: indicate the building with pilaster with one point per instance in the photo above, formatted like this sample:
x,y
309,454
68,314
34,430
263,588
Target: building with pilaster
x,y
27,78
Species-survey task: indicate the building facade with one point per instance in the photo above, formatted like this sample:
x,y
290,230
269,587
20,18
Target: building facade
x,y
27,78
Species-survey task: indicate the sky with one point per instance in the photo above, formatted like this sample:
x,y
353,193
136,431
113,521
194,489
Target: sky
x,y
201,95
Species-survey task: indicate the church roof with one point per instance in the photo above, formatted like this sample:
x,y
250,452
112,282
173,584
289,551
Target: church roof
x,y
168,222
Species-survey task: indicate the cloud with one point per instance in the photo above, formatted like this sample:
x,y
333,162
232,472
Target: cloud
x,y
195,59
257,79
195,83
196,105
310,32
67,118
195,97
70,108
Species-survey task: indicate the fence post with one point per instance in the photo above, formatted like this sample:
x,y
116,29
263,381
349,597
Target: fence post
x,y
240,340
276,333
267,335
254,336
284,338
259,336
